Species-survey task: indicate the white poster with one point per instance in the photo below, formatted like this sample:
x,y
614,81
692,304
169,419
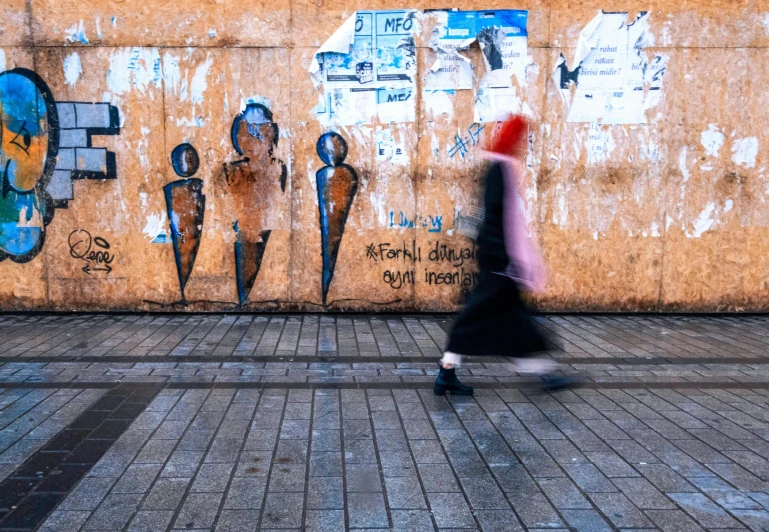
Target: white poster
x,y
503,40
615,82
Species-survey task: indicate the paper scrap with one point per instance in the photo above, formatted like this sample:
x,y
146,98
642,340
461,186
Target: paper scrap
x,y
339,42
494,104
438,102
349,107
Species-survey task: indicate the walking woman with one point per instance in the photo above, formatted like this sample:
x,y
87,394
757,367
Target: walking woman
x,y
495,321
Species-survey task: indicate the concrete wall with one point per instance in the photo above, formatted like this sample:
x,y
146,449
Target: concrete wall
x,y
662,221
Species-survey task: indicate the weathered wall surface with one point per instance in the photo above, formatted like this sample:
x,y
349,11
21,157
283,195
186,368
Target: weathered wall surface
x,y
666,215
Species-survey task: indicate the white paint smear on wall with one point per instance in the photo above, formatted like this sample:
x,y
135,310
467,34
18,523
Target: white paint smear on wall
x,y
134,68
712,140
2,60
199,82
745,152
76,33
682,164
704,221
72,69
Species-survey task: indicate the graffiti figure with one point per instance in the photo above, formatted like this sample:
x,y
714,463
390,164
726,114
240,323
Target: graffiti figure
x,y
253,183
186,207
43,146
337,185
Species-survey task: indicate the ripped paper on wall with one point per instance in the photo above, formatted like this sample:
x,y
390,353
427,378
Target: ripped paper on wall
x,y
351,106
388,149
438,102
346,107
368,68
615,83
503,40
493,104
454,32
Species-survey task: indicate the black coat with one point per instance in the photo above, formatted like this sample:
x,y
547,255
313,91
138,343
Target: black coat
x,y
495,320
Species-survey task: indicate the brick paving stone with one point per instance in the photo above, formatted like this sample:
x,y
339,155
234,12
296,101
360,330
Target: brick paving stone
x,y
618,457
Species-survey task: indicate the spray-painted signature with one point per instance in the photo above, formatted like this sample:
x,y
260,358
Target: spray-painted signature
x,y
97,259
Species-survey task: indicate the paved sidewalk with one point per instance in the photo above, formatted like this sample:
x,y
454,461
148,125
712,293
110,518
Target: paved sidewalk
x,y
226,422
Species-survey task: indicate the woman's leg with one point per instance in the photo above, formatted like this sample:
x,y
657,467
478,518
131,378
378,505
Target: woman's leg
x,y
447,381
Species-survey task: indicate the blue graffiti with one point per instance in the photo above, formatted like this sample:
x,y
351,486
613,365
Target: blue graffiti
x,y
433,224
27,158
463,143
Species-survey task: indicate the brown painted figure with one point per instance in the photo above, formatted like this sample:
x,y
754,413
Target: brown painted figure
x,y
255,182
186,207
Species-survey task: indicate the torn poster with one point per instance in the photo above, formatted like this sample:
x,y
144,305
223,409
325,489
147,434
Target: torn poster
x,y
355,66
503,39
615,82
376,49
346,107
396,105
454,32
396,64
367,68
438,102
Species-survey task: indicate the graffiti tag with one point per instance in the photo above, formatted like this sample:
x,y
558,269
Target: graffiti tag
x,y
92,251
462,144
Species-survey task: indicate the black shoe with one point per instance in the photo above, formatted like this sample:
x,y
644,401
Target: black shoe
x,y
447,382
553,383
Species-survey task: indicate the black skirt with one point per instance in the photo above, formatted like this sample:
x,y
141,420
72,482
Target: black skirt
x,y
495,322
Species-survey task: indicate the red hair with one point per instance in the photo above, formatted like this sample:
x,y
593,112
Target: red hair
x,y
512,137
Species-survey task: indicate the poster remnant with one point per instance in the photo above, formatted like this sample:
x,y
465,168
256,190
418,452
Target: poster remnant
x,y
368,68
454,32
503,39
615,82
